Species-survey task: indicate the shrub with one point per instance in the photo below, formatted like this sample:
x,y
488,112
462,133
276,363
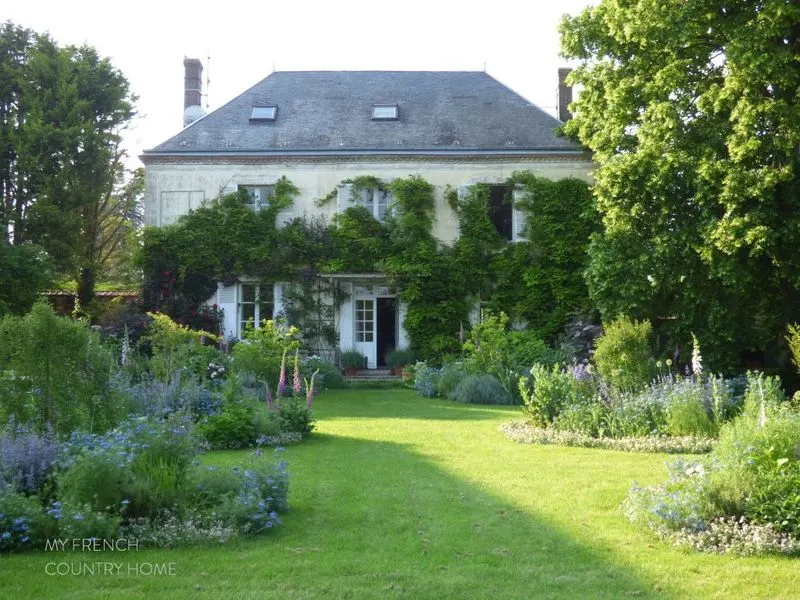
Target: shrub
x,y
155,398
234,427
426,379
98,481
294,416
623,355
262,494
687,415
751,479
82,522
261,351
553,390
352,359
448,378
27,458
23,522
399,357
55,370
329,377
176,347
145,462
481,389
527,349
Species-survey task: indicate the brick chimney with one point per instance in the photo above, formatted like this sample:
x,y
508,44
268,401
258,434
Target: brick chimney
x,y
564,95
192,90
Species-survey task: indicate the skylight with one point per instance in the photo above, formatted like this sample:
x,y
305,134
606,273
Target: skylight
x,y
384,112
264,113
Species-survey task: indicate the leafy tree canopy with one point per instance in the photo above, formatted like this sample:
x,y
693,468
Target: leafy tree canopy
x,y
62,110
693,113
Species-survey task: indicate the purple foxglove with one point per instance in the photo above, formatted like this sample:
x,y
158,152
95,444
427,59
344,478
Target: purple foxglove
x,y
282,379
311,390
297,385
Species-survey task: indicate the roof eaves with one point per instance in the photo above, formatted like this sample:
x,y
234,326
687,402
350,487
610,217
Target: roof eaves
x,y
369,152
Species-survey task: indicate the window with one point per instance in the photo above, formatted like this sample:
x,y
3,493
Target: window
x,y
384,112
264,113
376,202
365,322
501,210
256,303
259,195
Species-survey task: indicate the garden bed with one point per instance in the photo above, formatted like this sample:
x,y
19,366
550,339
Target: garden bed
x,y
523,432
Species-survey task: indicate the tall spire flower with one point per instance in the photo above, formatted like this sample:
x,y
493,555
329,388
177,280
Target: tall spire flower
x,y
311,390
297,384
697,360
282,378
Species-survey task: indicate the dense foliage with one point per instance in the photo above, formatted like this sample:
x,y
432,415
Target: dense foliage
x,y
56,372
139,478
61,113
691,110
744,497
537,281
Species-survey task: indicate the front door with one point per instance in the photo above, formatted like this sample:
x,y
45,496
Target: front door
x,y
365,340
386,328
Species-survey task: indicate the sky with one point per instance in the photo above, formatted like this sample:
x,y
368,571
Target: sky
x,y
515,41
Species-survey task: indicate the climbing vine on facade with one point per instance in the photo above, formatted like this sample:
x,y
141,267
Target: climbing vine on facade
x,y
537,281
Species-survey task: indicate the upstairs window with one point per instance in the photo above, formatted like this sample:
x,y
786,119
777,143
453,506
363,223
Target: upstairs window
x,y
256,303
378,202
384,112
264,113
501,210
259,195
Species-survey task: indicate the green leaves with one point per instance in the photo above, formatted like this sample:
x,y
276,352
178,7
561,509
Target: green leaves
x,y
691,109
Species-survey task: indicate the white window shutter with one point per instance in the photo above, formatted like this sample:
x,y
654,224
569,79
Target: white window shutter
x,y
517,215
344,197
226,301
284,217
277,300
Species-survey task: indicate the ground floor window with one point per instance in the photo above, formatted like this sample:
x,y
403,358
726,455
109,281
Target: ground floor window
x,y
256,303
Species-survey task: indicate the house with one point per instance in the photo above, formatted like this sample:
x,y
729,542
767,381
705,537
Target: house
x,y
320,129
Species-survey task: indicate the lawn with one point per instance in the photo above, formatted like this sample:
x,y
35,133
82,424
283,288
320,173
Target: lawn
x,y
397,496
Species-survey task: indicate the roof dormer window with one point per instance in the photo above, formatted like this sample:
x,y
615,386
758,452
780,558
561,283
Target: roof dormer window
x,y
384,112
264,113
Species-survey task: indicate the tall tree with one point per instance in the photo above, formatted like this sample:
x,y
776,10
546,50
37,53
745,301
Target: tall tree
x,y
693,112
62,111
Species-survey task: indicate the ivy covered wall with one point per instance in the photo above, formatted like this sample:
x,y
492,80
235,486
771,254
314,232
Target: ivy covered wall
x,y
537,281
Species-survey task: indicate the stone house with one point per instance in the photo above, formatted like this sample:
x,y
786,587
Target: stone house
x,y
321,128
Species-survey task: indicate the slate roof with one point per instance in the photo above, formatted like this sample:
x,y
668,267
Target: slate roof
x,y
331,111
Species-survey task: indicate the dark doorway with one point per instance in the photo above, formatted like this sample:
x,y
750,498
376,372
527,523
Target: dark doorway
x,y
500,210
386,328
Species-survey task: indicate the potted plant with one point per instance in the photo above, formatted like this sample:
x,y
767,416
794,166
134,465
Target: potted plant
x,y
399,358
352,361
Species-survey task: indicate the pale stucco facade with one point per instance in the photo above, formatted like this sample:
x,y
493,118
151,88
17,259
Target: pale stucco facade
x,y
174,189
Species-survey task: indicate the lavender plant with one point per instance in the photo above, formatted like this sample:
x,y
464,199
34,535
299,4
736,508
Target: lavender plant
x,y
27,458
